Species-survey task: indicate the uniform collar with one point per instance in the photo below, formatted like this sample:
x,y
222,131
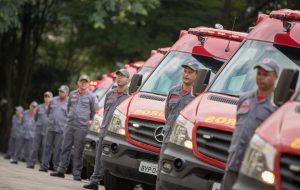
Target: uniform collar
x,y
188,92
124,93
61,100
78,92
268,98
30,113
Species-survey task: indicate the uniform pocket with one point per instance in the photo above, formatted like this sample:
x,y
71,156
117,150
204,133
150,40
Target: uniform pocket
x,y
85,102
173,103
188,100
242,111
262,115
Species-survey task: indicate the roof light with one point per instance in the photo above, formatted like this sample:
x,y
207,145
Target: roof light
x,y
182,33
163,50
137,64
153,52
286,14
236,36
260,18
112,75
93,83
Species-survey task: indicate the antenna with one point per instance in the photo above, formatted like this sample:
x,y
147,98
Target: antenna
x,y
227,49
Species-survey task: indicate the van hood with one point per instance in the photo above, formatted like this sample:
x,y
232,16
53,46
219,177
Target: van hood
x,y
144,105
284,123
213,110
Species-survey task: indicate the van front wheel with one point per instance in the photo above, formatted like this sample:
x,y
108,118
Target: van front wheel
x,y
112,182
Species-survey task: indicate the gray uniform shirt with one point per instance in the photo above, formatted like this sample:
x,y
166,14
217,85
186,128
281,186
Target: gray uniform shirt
x,y
112,100
57,113
251,112
81,109
16,126
175,102
41,120
28,125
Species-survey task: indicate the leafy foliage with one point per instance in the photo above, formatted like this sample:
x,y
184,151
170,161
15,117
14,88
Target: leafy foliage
x,y
9,12
46,43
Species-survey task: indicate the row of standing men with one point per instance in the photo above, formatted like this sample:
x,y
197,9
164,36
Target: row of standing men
x,y
51,129
32,129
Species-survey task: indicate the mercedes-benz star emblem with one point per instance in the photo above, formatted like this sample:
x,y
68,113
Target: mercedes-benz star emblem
x,y
159,134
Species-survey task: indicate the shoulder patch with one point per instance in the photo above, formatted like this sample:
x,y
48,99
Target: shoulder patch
x,y
174,96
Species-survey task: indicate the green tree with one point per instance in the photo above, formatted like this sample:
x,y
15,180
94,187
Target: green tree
x,y
36,34
46,43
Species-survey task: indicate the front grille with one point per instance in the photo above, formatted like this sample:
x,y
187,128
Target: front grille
x,y
145,131
151,97
290,171
213,143
222,99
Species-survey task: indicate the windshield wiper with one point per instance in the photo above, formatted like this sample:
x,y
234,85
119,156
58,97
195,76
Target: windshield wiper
x,y
223,93
154,93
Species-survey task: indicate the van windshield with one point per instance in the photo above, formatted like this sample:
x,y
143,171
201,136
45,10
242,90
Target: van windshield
x,y
101,102
168,73
145,71
100,95
99,92
239,76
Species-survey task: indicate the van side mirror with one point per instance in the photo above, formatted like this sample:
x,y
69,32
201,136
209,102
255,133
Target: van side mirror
x,y
286,86
201,82
135,83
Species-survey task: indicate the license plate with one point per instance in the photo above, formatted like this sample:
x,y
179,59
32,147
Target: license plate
x,y
216,186
148,168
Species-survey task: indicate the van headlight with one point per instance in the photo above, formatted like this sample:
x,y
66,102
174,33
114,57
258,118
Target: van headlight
x,y
182,133
117,123
96,123
259,159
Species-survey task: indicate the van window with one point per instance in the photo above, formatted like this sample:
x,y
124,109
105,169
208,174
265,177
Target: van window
x,y
169,72
238,76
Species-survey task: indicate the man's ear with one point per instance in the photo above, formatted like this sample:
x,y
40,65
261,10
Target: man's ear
x,y
275,77
196,73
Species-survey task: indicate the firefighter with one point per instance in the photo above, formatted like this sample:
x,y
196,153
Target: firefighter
x,y
57,114
26,134
41,124
252,109
113,98
178,98
16,127
81,110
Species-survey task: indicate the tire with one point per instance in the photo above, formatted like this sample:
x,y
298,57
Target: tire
x,y
148,187
112,182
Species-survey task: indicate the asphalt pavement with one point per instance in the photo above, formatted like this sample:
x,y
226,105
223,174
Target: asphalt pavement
x,y
18,177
